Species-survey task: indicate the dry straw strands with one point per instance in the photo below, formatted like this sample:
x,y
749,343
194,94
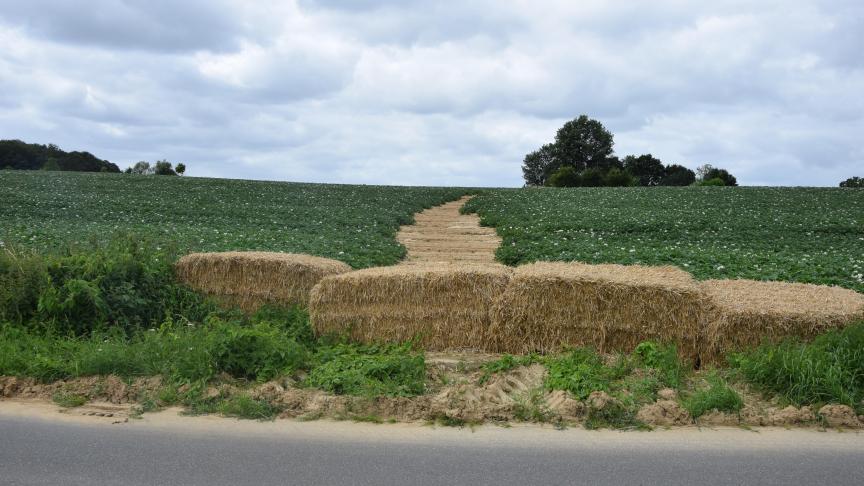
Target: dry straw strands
x,y
445,306
745,312
250,279
548,306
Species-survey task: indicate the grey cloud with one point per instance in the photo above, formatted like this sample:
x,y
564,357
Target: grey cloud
x,y
161,25
448,93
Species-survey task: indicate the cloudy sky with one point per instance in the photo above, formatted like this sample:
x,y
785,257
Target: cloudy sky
x,y
437,93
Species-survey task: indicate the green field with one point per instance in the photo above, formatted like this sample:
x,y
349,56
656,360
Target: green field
x,y
49,211
811,235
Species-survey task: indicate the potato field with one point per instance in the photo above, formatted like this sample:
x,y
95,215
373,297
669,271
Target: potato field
x,y
812,235
354,224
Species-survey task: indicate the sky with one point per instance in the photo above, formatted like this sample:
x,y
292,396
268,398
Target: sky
x,y
437,93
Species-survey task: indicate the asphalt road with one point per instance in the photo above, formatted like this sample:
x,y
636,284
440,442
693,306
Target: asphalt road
x,y
36,450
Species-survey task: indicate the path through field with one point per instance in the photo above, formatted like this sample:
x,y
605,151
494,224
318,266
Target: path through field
x,y
441,234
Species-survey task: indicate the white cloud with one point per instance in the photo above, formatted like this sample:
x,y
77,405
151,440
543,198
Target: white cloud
x,y
449,93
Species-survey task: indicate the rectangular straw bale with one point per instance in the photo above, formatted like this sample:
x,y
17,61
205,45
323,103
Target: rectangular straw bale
x,y
445,306
552,305
249,279
745,313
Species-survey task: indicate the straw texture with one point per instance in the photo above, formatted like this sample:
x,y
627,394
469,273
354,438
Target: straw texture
x,y
445,306
250,279
744,313
549,306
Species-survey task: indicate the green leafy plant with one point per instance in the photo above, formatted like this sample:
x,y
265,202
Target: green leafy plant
x,y
717,396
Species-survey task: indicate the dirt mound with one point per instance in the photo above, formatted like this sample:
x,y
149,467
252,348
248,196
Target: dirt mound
x,y
109,388
840,416
664,413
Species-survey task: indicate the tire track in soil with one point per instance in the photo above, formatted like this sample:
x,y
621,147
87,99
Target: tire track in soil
x,y
442,234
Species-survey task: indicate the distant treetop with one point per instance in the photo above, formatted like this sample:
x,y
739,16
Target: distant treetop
x,y
15,154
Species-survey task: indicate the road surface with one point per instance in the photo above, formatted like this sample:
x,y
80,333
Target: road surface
x,y
39,446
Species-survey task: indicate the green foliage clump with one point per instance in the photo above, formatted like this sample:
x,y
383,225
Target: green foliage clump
x,y
663,359
127,284
582,371
259,352
69,400
717,396
506,363
565,177
829,369
350,369
853,182
715,182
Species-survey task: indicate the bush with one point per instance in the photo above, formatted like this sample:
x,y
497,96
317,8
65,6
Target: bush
x,y
127,284
618,178
260,352
712,182
565,177
830,369
592,177
368,370
853,182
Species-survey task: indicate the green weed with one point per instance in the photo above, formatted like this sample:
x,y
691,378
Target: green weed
x,y
830,369
717,396
69,400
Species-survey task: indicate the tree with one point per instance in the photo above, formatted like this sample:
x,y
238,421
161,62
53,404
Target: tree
x,y
163,167
702,170
142,168
856,182
722,174
618,178
565,177
538,165
583,143
647,169
181,168
678,175
592,177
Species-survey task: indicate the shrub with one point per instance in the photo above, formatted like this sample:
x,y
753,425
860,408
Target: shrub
x,y
712,182
565,177
592,177
618,178
853,182
830,369
260,352
368,370
127,284
580,372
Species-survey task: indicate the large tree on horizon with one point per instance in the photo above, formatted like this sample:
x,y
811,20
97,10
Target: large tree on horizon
x,y
583,143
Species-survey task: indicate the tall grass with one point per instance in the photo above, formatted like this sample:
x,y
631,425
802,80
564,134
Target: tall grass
x,y
830,369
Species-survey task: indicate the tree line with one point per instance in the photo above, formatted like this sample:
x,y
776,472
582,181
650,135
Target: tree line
x,y
15,154
582,155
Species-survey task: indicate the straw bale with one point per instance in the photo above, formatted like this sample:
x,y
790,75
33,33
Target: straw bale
x,y
249,279
552,305
444,305
744,313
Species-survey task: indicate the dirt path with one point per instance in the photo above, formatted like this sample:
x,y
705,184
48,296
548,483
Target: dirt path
x,y
441,234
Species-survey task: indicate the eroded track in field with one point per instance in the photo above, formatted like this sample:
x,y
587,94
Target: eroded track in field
x,y
442,234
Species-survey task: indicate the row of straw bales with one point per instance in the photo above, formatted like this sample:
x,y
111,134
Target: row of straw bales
x,y
250,279
539,307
